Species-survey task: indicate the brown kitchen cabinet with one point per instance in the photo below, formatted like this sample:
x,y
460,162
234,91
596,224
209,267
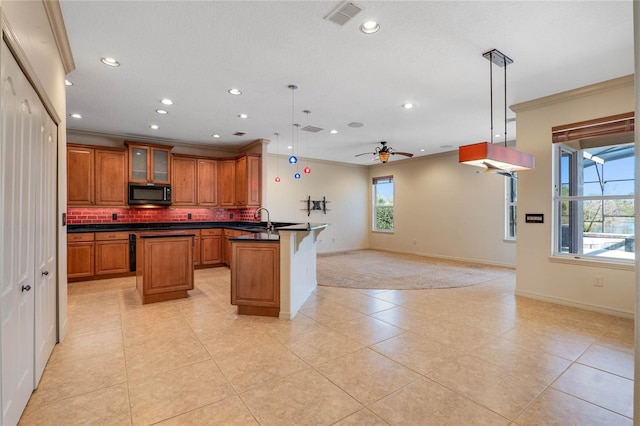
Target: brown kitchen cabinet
x,y
111,177
80,255
183,181
80,175
247,180
111,252
207,189
164,266
149,163
96,176
211,246
196,247
255,277
227,183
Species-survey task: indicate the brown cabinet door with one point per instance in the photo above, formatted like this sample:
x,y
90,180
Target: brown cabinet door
x,y
255,274
211,249
80,168
112,257
196,250
160,166
183,183
111,178
241,181
226,183
207,182
80,259
254,179
139,163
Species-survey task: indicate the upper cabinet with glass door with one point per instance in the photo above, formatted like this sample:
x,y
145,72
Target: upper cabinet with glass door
x,y
149,163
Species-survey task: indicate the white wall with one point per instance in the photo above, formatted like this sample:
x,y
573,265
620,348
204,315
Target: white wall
x,y
448,209
344,186
536,274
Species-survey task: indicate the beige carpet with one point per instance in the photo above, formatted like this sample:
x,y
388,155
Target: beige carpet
x,y
384,270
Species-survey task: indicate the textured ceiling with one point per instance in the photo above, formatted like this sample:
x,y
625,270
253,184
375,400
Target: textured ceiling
x,y
426,52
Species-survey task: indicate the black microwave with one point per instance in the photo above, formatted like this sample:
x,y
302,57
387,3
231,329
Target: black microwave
x,y
149,194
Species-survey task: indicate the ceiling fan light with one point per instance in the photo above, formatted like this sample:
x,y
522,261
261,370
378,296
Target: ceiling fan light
x,y
384,156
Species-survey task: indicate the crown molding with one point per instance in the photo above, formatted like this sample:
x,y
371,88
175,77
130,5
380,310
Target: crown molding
x,y
56,20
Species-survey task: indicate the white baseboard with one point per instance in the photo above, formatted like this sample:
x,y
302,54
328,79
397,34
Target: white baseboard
x,y
458,259
575,304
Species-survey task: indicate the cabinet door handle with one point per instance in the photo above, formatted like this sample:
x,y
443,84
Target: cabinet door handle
x,y
26,287
45,273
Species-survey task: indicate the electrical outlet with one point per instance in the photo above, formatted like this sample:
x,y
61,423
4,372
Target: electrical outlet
x,y
598,282
114,216
230,215
188,215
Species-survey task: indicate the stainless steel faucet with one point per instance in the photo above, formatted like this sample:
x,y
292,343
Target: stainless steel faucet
x,y
270,226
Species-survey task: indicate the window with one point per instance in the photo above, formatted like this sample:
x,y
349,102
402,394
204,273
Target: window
x,y
511,199
594,200
383,204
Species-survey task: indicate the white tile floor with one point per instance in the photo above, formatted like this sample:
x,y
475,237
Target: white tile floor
x,y
464,356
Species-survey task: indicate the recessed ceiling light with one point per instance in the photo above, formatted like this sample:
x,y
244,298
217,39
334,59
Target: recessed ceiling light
x,y
497,135
68,83
215,135
408,105
370,27
289,147
422,150
75,115
333,132
110,61
161,111
446,146
243,116
235,91
355,124
154,127
166,101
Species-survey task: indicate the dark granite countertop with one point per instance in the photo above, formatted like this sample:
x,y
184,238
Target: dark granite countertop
x,y
302,226
258,237
170,226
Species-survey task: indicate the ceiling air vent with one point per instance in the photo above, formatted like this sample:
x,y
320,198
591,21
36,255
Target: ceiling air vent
x,y
343,13
312,129
239,134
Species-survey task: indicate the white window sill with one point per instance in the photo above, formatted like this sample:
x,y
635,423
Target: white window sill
x,y
380,231
595,262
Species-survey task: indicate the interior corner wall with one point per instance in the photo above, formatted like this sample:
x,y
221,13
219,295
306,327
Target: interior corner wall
x,y
536,275
345,188
28,22
444,209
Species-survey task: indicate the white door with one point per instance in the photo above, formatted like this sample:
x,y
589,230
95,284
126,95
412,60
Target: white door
x,y
45,242
17,236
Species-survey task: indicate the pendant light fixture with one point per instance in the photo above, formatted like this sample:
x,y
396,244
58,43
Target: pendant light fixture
x,y
496,158
297,147
292,158
307,169
277,179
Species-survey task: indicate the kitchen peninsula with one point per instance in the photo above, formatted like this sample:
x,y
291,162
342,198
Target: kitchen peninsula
x,y
274,274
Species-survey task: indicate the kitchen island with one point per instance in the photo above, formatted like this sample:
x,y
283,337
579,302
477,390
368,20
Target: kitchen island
x,y
164,265
274,273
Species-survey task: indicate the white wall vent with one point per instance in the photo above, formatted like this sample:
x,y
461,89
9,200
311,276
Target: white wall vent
x,y
343,13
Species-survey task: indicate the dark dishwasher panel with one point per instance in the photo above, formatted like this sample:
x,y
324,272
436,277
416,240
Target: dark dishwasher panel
x,y
132,252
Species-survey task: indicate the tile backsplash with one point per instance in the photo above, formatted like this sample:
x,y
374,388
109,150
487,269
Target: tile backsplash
x,y
86,215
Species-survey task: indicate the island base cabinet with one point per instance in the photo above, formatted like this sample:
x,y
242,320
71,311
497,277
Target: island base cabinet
x,y
255,278
164,268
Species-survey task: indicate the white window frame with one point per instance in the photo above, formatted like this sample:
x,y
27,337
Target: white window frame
x,y
374,197
576,181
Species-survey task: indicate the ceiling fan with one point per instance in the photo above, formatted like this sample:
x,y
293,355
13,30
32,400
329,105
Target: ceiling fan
x,y
384,151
